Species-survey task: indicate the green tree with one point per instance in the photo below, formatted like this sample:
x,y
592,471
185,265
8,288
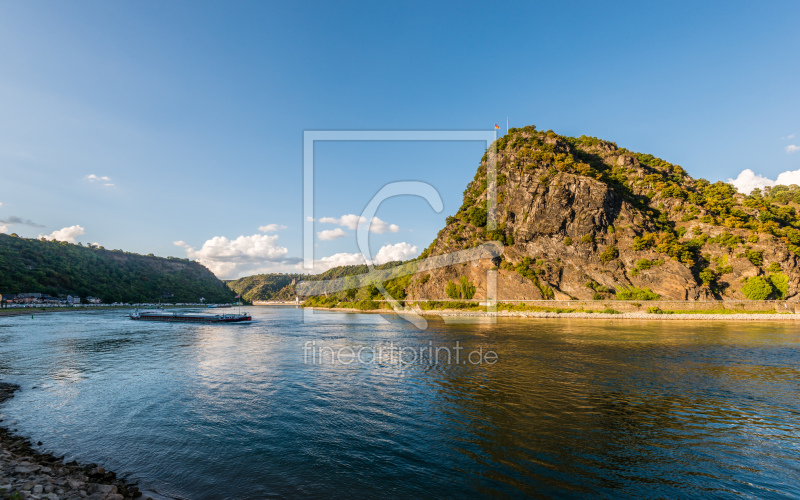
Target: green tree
x,y
477,216
780,282
452,290
464,289
707,276
467,288
757,288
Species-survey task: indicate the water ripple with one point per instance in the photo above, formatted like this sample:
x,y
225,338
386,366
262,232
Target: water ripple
x,y
570,409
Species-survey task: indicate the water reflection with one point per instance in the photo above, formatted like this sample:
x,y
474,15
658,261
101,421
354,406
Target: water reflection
x,y
571,408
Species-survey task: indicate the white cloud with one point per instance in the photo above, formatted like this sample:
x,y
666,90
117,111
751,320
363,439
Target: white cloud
x,y
352,222
100,178
68,234
338,259
791,148
331,234
3,229
231,258
788,178
387,253
790,136
1,203
398,251
271,228
749,180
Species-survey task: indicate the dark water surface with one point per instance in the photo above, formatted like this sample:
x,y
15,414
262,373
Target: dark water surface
x,y
571,407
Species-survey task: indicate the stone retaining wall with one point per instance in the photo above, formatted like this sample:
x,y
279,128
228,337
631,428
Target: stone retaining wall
x,y
666,305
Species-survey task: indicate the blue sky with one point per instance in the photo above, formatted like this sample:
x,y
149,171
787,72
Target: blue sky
x,y
190,115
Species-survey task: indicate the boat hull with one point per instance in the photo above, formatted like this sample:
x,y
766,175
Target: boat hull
x,y
192,319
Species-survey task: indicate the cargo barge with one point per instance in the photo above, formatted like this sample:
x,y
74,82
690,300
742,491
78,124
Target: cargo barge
x,y
161,315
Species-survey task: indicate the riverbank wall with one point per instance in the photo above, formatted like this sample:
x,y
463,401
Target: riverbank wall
x,y
586,309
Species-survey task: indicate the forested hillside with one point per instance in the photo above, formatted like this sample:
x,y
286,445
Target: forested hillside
x,y
279,286
263,286
59,268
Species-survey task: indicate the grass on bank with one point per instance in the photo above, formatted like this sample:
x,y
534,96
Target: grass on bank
x,y
440,305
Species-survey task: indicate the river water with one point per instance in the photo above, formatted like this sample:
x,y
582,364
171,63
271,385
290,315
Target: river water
x,y
544,408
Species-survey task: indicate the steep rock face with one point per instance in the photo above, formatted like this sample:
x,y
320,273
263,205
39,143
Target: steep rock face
x,y
582,218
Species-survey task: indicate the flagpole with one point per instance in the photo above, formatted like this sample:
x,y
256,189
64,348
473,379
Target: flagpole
x,y
506,125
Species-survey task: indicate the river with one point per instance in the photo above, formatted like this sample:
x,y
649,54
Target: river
x,y
283,408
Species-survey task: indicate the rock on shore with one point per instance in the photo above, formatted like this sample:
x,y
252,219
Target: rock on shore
x,y
28,474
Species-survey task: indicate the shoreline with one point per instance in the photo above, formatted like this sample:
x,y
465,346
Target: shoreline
x,y
27,473
24,311
677,316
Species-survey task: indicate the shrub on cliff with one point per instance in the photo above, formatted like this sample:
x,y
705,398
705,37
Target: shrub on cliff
x,y
464,289
477,216
643,264
780,282
634,293
757,288
707,276
609,254
754,256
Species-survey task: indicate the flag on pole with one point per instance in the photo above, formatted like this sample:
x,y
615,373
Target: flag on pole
x,y
238,296
496,126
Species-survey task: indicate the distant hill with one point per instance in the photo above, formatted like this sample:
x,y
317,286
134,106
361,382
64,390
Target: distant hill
x,y
263,286
279,287
59,268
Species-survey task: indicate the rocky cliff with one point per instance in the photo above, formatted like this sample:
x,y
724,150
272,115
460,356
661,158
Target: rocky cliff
x,y
584,218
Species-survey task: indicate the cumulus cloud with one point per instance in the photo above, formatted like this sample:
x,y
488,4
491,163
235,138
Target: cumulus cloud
x,y
352,222
387,253
338,259
103,179
229,258
18,220
398,251
3,229
791,148
271,228
332,234
788,178
68,234
749,180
